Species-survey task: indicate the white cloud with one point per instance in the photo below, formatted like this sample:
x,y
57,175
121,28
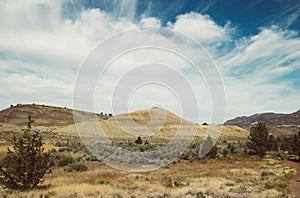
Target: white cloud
x,y
253,68
150,22
201,28
41,52
29,88
56,39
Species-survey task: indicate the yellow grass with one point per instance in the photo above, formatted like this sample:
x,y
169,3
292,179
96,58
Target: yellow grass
x,y
218,177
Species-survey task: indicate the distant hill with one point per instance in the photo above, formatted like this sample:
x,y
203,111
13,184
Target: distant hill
x,y
155,122
158,122
278,122
42,115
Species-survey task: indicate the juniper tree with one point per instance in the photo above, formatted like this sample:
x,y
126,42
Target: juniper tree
x,y
258,139
24,166
139,140
273,144
296,145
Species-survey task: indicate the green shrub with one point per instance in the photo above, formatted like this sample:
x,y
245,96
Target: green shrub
x,y
267,174
91,158
225,152
24,166
208,149
76,166
231,148
64,160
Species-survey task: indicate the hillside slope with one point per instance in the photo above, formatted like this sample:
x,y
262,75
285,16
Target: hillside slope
x,y
41,115
271,119
155,122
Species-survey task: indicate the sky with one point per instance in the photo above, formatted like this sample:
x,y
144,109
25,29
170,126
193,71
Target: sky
x,y
253,45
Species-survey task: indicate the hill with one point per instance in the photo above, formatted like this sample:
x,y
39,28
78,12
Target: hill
x,y
155,122
278,123
271,119
161,123
42,115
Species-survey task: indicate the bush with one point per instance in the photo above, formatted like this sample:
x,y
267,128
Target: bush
x,y
73,147
168,182
77,166
208,149
180,182
64,160
213,152
91,158
25,165
231,148
225,152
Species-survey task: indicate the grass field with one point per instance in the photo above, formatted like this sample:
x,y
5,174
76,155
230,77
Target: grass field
x,y
234,176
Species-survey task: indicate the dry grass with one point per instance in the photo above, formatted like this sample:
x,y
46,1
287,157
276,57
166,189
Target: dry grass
x,y
235,177
150,123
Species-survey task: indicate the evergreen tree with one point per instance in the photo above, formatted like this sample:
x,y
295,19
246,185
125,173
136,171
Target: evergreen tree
x,y
273,144
296,145
258,139
139,140
25,165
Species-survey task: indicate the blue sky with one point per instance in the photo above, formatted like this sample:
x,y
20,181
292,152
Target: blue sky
x,y
247,15
254,44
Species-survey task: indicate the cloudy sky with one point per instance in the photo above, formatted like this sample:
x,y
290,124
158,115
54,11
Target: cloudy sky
x,y
254,45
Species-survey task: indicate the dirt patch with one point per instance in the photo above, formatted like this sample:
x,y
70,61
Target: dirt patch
x,y
294,185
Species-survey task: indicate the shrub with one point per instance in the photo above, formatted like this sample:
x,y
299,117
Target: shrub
x,y
231,148
208,149
168,182
25,165
180,182
64,160
77,166
267,174
225,152
213,152
73,147
91,158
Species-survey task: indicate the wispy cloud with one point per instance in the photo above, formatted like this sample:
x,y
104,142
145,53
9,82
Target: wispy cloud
x,y
256,72
124,8
287,16
41,50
